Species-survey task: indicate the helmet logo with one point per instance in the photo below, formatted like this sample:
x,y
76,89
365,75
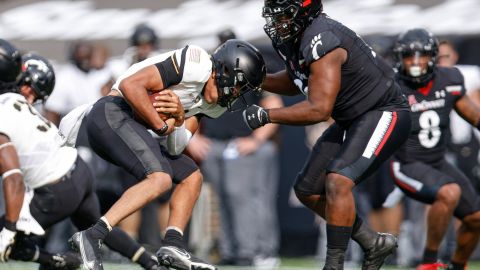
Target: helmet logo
x,y
306,3
40,65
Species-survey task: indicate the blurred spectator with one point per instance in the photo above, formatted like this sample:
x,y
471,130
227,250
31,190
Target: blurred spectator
x,y
242,166
77,83
225,35
100,56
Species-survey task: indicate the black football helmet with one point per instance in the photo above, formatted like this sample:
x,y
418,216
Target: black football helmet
x,y
416,42
239,68
144,34
38,73
10,66
285,19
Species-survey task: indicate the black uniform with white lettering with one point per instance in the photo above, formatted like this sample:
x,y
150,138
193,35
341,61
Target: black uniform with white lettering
x,y
367,81
431,106
420,168
369,110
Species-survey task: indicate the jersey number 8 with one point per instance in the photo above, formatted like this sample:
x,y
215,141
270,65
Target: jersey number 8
x,y
430,133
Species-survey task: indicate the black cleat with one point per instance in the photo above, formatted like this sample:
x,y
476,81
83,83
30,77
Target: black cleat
x,y
180,259
154,265
335,259
385,245
89,249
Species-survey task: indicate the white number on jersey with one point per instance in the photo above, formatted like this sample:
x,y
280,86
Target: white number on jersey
x,y
430,133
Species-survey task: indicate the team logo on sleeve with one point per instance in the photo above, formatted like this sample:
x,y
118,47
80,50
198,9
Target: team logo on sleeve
x,y
316,41
454,89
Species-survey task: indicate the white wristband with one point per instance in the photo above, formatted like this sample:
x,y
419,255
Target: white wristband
x,y
6,144
11,172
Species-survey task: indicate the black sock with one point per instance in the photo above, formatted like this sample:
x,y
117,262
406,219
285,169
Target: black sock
x,y
99,230
456,266
337,243
119,241
429,256
362,234
173,238
147,260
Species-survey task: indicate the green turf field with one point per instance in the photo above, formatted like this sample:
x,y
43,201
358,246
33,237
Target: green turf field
x,y
287,264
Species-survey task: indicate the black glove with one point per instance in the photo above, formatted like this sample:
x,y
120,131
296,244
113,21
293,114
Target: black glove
x,y
255,117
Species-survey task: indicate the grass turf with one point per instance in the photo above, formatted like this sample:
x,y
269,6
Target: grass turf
x,y
287,264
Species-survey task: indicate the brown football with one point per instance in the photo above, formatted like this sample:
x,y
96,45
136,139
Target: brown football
x,y
163,116
152,96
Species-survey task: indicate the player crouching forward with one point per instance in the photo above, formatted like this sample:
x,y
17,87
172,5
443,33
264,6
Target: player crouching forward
x,y
192,84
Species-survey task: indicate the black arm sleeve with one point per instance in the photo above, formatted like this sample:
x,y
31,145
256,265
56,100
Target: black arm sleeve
x,y
170,71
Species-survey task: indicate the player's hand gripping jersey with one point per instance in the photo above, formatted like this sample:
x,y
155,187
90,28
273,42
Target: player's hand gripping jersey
x,y
367,81
37,141
431,106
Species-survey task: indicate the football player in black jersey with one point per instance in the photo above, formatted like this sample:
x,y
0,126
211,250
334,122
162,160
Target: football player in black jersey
x,y
342,78
190,84
420,168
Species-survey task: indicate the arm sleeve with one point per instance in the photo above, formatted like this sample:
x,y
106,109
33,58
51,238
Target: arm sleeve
x,y
178,140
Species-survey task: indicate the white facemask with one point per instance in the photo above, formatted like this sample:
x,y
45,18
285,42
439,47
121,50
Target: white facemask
x,y
415,71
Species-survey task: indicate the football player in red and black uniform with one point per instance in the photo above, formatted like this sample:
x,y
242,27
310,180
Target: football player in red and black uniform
x,y
420,168
342,78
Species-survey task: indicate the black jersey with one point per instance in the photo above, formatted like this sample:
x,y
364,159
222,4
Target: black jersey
x,y
367,81
430,111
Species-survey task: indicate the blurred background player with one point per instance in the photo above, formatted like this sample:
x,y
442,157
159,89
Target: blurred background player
x,y
144,42
420,168
77,83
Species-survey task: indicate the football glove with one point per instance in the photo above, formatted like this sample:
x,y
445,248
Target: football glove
x,y
7,238
255,117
